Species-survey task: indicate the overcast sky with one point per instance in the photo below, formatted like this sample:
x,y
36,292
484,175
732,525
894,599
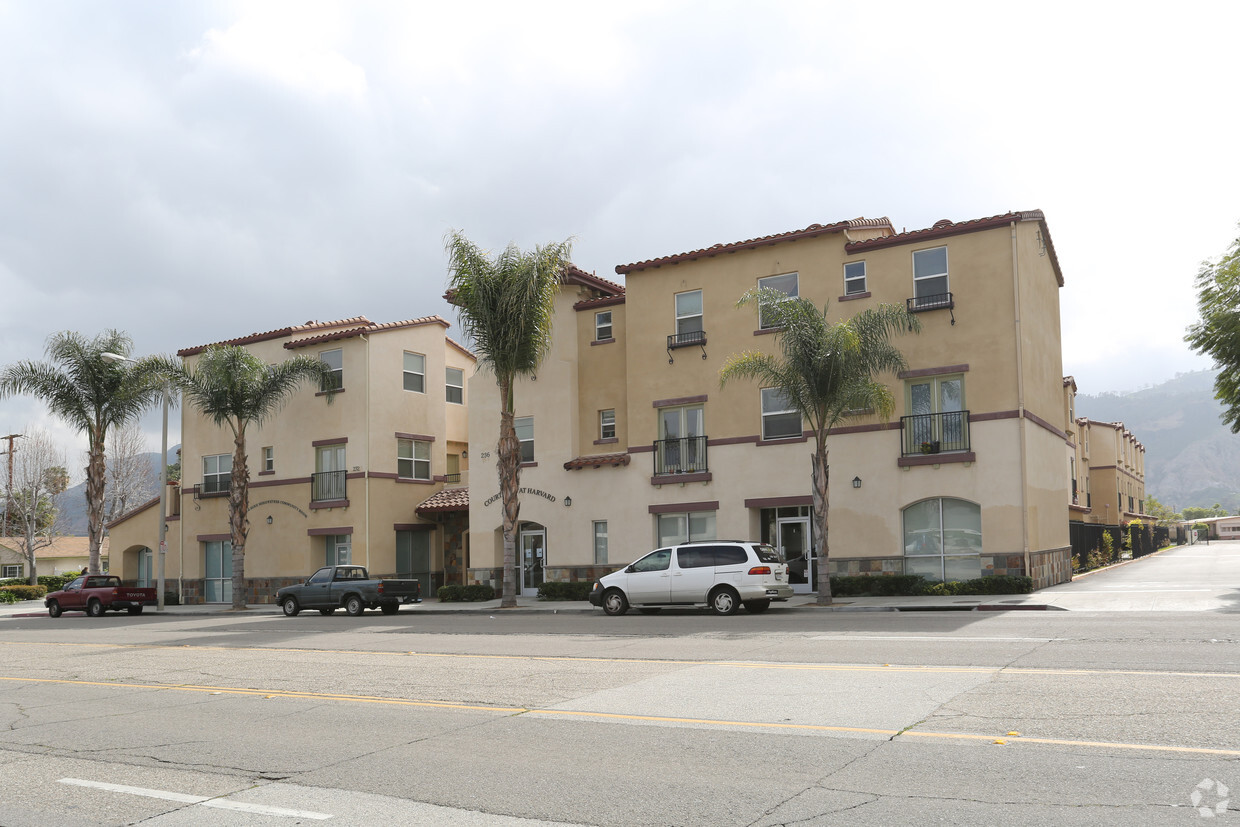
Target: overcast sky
x,y
195,171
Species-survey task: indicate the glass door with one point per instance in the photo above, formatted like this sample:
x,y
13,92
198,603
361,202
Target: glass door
x,y
533,550
793,542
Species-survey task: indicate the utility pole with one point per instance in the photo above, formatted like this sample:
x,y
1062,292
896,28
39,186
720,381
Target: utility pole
x,y
8,492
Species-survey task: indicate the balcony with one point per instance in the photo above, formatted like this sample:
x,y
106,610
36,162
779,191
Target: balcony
x,y
327,485
931,301
939,433
684,455
692,338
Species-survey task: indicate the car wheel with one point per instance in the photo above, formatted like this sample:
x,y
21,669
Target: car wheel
x,y
390,608
53,609
94,608
757,607
650,610
289,604
724,602
614,603
354,605
134,610
326,612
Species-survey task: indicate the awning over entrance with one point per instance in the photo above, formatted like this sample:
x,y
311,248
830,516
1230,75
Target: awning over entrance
x,y
450,499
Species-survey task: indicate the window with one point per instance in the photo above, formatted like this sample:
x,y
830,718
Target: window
x,y
689,313
216,473
780,420
607,424
146,568
683,528
937,420
413,558
455,382
415,372
681,448
10,571
854,278
660,560
600,542
786,284
525,434
269,458
334,359
413,459
930,277
602,325
942,539
217,568
330,479
339,549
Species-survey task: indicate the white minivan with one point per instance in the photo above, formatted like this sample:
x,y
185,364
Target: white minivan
x,y
721,574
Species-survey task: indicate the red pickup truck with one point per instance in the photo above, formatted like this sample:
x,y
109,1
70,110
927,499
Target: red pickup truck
x,y
98,593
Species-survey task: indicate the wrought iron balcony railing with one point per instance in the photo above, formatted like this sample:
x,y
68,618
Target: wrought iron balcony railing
x,y
935,433
327,485
684,455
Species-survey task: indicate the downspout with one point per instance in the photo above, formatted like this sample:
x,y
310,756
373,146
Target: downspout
x,y
366,517
1020,408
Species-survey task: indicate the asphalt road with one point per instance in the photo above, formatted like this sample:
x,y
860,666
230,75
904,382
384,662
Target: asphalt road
x,y
806,717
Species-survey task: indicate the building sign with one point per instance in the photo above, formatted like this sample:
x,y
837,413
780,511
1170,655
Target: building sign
x,y
279,502
534,491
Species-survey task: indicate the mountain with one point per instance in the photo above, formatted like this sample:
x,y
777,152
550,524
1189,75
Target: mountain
x,y
73,501
1191,457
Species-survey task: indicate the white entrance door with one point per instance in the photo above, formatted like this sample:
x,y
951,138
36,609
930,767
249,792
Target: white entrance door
x,y
533,559
794,545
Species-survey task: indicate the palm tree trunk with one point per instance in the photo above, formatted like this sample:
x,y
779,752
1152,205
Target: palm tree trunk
x,y
509,467
96,476
820,468
239,516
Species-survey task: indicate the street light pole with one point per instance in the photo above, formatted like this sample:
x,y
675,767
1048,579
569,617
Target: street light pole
x,y
162,547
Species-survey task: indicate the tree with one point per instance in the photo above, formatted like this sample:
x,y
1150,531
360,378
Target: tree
x,y
1160,512
236,389
506,306
38,480
91,395
1217,333
130,475
824,370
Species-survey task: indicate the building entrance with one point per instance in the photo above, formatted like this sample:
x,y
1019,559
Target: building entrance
x,y
532,549
792,540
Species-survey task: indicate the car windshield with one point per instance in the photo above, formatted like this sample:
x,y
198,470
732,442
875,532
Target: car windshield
x,y
767,554
654,561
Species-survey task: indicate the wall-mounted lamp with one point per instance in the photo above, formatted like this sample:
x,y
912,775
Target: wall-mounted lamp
x,y
269,520
465,454
568,502
856,482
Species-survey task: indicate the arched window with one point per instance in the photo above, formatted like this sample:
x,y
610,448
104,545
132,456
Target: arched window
x,y
943,539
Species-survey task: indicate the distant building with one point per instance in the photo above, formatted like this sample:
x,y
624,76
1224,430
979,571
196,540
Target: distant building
x,y
376,475
65,554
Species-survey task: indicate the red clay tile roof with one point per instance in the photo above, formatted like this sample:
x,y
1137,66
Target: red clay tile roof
x,y
369,327
574,274
945,228
792,235
605,301
461,348
597,461
277,334
450,499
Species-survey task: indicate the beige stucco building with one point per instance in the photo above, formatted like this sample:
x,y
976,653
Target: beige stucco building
x,y
1115,459
632,443
63,555
373,475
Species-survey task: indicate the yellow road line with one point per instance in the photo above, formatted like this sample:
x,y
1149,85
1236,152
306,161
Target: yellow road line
x,y
801,667
662,719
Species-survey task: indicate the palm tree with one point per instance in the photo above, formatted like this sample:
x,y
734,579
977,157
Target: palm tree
x,y
826,369
506,306
91,395
235,388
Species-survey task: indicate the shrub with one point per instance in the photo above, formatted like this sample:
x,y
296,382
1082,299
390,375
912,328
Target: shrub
x,y
24,592
465,594
906,585
578,590
56,582
8,597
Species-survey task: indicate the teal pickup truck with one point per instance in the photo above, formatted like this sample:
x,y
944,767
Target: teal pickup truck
x,y
349,588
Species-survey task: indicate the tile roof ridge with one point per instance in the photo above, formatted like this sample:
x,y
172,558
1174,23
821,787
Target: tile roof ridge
x,y
290,330
791,235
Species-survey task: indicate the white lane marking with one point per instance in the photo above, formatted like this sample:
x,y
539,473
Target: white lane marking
x,y
934,639
218,803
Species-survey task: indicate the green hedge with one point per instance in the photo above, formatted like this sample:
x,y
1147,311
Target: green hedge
x,y
24,592
912,585
8,597
465,594
579,590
